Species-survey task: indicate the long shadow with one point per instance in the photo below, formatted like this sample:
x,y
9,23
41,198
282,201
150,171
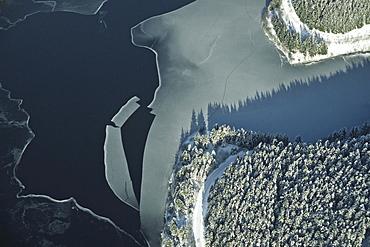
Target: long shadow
x,y
312,110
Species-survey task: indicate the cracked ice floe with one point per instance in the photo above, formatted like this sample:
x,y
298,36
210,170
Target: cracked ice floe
x,y
38,219
116,167
12,12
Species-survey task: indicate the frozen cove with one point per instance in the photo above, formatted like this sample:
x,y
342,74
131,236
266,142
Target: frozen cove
x,y
211,52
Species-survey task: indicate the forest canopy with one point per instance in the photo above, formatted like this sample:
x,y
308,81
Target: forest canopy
x,y
280,193
333,16
295,195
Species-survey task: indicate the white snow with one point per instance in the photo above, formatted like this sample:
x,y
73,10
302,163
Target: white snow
x,y
198,220
201,204
290,17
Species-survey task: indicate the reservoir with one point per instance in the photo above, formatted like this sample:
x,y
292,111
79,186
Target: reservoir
x,y
74,77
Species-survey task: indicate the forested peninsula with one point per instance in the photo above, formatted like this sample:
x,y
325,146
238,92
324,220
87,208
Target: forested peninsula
x,y
312,30
236,187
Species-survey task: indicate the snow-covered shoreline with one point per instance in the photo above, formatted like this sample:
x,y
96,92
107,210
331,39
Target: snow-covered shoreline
x,y
353,42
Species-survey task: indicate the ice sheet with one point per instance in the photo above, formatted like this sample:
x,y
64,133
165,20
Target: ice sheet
x,y
208,51
116,168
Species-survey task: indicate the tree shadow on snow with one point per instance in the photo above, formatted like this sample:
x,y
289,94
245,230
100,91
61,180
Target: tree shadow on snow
x,y
312,110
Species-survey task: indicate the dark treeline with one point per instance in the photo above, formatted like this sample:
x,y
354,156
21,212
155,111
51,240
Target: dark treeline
x,y
312,109
354,133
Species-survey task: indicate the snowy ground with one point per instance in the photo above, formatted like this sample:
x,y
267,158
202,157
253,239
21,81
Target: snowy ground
x,y
201,204
198,220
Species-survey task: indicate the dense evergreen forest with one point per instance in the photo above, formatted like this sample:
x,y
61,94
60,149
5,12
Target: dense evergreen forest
x,y
328,16
333,16
295,42
295,195
288,37
199,155
280,193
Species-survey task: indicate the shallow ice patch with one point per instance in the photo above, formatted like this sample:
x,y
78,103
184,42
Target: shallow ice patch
x,y
116,168
12,12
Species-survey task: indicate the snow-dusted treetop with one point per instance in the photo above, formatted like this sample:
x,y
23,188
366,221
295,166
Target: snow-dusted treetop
x,y
333,29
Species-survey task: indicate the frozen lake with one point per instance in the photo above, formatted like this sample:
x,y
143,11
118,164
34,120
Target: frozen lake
x,y
210,51
216,52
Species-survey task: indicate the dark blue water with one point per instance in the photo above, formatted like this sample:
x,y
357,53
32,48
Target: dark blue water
x,y
312,110
73,78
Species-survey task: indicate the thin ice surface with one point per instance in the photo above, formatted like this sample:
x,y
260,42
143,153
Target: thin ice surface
x,y
208,51
12,12
116,167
